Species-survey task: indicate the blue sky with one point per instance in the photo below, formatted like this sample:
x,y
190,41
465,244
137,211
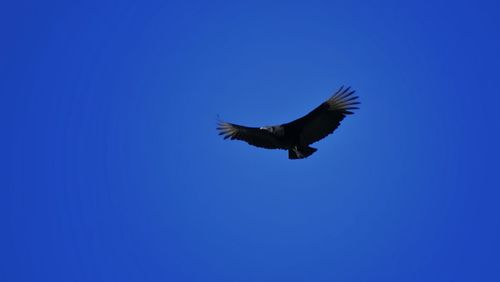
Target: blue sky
x,y
112,169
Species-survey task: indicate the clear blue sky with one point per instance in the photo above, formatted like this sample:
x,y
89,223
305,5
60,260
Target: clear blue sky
x,y
111,168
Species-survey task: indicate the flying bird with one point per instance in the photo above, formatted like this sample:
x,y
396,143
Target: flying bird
x,y
296,136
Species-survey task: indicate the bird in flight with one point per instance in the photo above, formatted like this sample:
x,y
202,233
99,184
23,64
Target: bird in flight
x,y
296,136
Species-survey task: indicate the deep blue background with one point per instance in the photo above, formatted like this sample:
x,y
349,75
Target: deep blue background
x,y
111,168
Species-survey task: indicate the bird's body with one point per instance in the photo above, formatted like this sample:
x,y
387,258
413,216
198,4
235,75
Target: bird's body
x,y
296,136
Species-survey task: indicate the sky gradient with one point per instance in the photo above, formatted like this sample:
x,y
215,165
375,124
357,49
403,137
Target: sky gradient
x,y
112,169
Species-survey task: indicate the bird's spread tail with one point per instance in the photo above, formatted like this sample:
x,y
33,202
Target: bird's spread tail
x,y
300,152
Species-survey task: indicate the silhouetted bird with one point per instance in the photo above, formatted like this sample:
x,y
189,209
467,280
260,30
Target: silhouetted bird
x,y
296,136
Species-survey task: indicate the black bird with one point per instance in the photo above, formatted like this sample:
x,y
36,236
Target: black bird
x,y
296,136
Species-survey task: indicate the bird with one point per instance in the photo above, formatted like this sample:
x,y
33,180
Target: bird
x,y
297,135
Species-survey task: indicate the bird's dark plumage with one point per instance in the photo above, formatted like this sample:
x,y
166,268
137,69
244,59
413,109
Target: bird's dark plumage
x,y
296,136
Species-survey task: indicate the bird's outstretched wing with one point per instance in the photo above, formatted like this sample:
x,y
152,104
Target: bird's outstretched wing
x,y
323,120
252,135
